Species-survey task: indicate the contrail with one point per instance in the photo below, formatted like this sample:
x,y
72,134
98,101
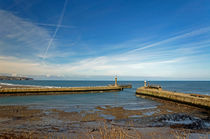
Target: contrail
x,y
54,25
57,28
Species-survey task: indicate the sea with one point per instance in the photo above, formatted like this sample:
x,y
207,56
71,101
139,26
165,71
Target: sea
x,y
78,102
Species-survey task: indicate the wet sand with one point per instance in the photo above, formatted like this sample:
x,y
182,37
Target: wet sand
x,y
169,119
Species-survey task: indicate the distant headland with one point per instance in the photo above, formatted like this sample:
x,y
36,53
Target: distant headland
x,y
14,78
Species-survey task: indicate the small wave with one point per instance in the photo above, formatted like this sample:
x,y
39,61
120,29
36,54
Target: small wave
x,y
10,84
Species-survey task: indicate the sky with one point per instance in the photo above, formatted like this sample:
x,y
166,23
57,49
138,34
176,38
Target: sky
x,y
98,39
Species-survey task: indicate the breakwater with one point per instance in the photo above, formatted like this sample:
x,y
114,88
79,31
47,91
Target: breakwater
x,y
192,99
54,90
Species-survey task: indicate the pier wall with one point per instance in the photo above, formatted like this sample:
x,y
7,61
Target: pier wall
x,y
62,90
193,99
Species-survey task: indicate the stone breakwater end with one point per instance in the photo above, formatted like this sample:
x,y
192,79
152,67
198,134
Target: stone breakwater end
x,y
191,99
62,90
123,85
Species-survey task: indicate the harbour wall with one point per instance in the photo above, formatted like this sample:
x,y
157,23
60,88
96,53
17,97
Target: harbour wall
x,y
192,99
54,90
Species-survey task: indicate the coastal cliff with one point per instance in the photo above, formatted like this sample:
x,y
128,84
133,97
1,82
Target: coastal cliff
x,y
14,78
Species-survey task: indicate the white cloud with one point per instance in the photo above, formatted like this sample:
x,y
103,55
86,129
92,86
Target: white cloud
x,y
174,38
94,66
21,38
105,66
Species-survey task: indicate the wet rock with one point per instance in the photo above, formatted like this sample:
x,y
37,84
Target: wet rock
x,y
180,121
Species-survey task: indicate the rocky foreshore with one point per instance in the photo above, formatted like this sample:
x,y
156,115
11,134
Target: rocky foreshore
x,y
165,121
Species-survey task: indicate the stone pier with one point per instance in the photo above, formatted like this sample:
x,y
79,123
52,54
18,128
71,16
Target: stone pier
x,y
191,99
55,90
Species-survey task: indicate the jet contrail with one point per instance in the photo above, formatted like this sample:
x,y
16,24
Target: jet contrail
x,y
54,25
57,28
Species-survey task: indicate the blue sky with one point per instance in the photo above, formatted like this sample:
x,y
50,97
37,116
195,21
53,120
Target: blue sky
x,y
97,39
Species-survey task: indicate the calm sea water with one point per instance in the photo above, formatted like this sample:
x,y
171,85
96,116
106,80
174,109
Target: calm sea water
x,y
78,102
